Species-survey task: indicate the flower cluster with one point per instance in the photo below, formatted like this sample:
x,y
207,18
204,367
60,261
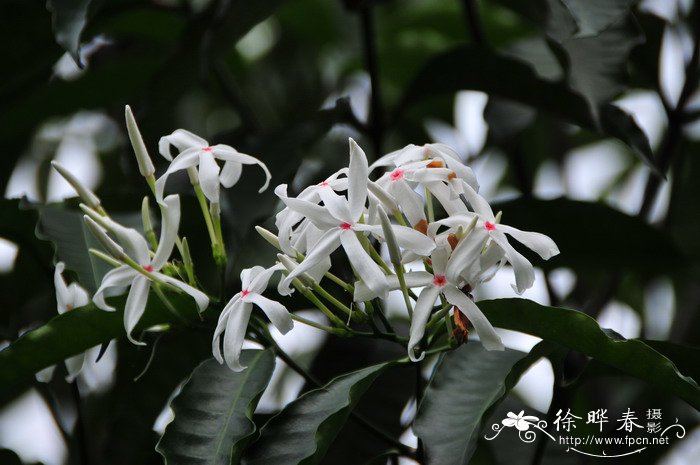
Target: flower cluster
x,y
423,212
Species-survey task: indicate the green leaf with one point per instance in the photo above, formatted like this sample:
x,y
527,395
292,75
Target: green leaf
x,y
78,330
580,332
594,236
68,21
471,67
466,382
213,412
302,432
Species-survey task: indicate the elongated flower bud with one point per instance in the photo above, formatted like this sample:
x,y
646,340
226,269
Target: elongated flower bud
x,y
269,237
110,246
390,238
85,194
144,160
290,265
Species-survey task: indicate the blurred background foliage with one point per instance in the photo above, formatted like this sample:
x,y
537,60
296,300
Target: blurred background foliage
x,y
580,118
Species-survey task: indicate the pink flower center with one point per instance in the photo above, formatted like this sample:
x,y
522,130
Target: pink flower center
x,y
345,226
396,175
245,292
208,149
439,280
148,268
323,184
489,226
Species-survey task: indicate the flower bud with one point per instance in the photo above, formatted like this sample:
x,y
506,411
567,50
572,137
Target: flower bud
x,y
390,238
85,194
269,237
109,245
144,160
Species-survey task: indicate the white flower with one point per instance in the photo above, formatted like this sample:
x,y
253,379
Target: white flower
x,y
136,247
68,297
522,268
339,220
195,151
445,280
234,318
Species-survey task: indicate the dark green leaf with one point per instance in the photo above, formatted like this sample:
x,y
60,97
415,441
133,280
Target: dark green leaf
x,y
580,332
466,383
594,236
78,330
68,19
214,410
303,431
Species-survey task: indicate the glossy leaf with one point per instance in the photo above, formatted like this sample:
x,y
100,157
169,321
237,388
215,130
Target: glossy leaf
x,y
302,432
580,332
594,236
466,382
76,331
213,412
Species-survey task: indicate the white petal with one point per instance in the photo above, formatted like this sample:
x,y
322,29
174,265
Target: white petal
x,y
413,279
248,274
524,273
323,248
478,203
199,297
221,326
134,243
336,204
367,270
543,245
136,305
275,311
209,176
79,296
170,212
357,180
318,215
413,240
185,160
235,334
421,315
45,375
118,277
230,173
411,203
439,258
468,250
181,140
230,155
484,329
443,193
262,278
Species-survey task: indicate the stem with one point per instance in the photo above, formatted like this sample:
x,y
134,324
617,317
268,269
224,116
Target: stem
x,y
429,204
201,198
320,305
404,289
382,317
168,304
338,304
313,324
471,16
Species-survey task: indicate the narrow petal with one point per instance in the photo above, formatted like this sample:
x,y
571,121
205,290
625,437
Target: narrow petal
x,y
421,315
79,296
209,176
74,366
467,251
478,203
262,278
487,334
321,251
336,204
230,173
236,327
199,297
413,279
221,326
411,203
181,139
440,257
367,270
357,180
524,273
318,215
248,274
543,245
118,277
275,311
45,375
229,154
134,243
170,213
415,241
136,305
